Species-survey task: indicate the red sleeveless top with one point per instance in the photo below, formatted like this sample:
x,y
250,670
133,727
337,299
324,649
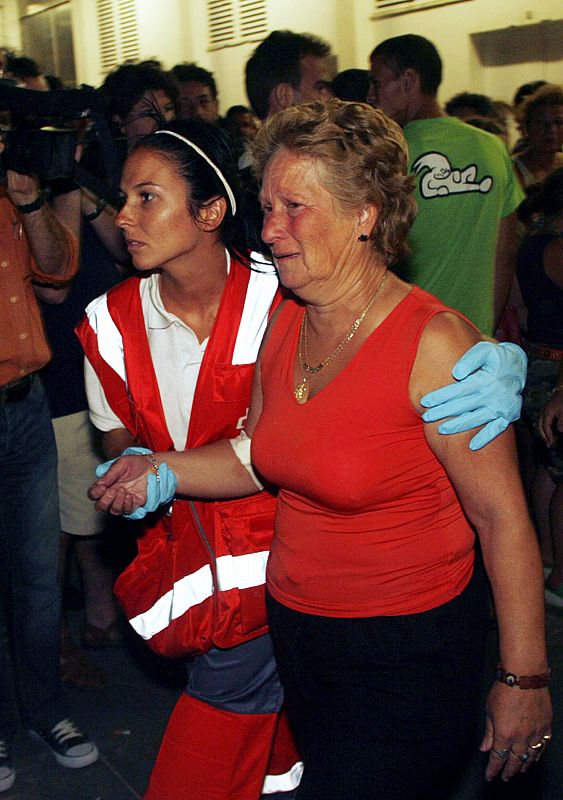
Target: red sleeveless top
x,y
367,521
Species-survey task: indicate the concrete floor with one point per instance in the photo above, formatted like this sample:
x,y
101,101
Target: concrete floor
x,y
128,716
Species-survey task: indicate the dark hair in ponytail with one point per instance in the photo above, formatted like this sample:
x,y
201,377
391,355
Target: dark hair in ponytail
x,y
239,232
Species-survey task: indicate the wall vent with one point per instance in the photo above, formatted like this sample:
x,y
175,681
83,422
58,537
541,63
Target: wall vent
x,y
390,8
233,22
118,32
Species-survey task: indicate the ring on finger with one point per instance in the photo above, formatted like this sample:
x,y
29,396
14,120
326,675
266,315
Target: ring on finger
x,y
500,753
546,738
537,747
522,756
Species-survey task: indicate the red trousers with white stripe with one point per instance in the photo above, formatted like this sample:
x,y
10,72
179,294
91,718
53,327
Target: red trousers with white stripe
x,y
227,738
211,754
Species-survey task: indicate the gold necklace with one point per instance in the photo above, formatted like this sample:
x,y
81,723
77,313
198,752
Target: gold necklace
x,y
301,390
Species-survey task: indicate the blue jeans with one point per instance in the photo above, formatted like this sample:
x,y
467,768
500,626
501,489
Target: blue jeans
x,y
29,546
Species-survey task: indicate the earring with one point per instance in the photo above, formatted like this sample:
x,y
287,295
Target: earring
x,y
363,237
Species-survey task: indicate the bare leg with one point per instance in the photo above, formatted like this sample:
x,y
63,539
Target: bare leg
x,y
97,583
75,669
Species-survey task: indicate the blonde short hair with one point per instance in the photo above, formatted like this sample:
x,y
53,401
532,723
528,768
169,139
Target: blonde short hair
x,y
364,159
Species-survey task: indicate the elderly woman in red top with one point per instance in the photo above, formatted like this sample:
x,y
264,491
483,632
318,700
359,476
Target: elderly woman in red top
x,y
377,605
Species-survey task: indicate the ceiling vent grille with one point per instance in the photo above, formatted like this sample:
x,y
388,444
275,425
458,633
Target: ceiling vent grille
x,y
233,22
389,8
118,32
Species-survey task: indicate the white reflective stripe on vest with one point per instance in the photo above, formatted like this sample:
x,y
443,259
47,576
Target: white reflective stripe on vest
x,y
262,286
242,571
232,571
285,782
110,341
187,593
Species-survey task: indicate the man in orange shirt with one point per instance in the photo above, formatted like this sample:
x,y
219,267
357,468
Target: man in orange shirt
x,y
37,257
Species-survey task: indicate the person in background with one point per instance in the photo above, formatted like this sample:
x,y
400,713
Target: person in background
x,y
463,242
54,82
468,104
551,431
286,69
375,597
525,90
242,125
519,96
490,125
78,448
352,85
139,97
197,93
38,253
540,277
26,72
540,117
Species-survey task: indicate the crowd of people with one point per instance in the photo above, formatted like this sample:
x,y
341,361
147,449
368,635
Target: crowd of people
x,y
285,325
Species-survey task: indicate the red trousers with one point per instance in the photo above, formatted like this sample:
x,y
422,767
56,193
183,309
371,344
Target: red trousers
x,y
211,754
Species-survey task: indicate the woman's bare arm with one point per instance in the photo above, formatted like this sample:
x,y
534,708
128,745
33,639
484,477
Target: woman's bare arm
x,y
489,487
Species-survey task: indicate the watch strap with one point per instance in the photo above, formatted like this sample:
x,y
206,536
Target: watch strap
x,y
27,208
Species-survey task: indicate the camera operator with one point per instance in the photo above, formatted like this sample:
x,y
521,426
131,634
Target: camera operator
x,y
37,253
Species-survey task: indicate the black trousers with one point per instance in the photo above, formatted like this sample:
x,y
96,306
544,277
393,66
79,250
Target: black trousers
x,y
383,708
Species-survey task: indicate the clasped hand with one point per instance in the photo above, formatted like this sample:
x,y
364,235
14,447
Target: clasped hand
x,y
128,486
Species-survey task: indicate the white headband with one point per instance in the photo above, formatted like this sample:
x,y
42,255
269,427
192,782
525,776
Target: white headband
x,y
215,168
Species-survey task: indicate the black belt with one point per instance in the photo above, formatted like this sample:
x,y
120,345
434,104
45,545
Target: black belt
x,y
15,390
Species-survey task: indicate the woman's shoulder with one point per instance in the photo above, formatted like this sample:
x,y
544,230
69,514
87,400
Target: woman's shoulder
x,y
429,306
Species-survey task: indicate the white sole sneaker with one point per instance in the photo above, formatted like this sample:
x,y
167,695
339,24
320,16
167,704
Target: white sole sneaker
x,y
7,778
82,755
75,756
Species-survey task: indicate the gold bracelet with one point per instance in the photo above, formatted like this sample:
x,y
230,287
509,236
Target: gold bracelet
x,y
155,465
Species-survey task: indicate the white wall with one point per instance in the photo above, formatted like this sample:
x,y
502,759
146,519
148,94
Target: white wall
x,y
11,37
348,26
176,30
450,27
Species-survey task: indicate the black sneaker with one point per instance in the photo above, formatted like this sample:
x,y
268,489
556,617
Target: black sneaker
x,y
7,772
70,747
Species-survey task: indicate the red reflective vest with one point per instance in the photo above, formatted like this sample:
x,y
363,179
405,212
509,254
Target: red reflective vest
x,y
198,579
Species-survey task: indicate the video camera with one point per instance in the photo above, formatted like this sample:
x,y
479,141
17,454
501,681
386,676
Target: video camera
x,y
43,134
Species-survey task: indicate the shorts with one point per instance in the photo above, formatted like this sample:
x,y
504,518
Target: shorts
x,y
79,455
542,377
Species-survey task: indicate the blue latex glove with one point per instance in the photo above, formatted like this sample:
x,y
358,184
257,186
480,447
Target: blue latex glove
x,y
158,492
489,392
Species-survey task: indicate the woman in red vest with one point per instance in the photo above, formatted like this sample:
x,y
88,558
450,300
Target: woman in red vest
x,y
170,356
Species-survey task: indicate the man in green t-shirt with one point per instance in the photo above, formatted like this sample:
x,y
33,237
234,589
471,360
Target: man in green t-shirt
x,y
463,241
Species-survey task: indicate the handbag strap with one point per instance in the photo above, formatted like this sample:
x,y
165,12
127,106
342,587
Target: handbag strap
x,y
203,535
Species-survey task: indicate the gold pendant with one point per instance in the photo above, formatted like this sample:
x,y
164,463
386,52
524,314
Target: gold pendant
x,y
301,391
